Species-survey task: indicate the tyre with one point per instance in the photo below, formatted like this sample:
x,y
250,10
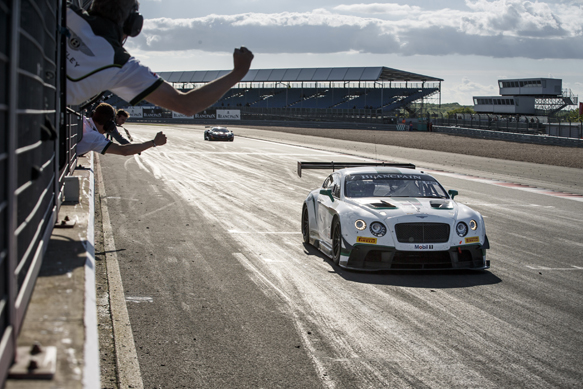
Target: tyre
x,y
305,225
336,241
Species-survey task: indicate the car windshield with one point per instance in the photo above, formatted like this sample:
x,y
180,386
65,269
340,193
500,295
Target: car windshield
x,y
220,130
392,185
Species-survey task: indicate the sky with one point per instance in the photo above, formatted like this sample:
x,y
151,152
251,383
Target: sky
x,y
470,44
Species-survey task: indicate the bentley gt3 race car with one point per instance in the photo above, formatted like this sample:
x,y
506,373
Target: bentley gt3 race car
x,y
380,216
218,133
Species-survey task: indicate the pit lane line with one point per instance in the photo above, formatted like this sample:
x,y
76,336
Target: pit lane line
x,y
128,367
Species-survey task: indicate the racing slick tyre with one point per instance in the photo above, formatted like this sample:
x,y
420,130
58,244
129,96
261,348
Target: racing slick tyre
x,y
305,225
336,241
206,137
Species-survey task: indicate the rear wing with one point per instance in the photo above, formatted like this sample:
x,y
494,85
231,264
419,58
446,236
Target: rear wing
x,y
344,165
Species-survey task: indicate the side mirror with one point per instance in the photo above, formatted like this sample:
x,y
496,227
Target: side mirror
x,y
452,193
327,192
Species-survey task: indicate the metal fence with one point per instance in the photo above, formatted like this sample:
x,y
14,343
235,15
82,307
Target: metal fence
x,y
524,125
37,150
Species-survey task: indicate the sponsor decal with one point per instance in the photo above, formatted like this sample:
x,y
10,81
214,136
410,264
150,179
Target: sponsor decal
x,y
229,114
423,247
362,239
77,44
385,176
474,239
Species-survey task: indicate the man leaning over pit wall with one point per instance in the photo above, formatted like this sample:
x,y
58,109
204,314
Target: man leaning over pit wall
x,y
120,118
97,61
101,122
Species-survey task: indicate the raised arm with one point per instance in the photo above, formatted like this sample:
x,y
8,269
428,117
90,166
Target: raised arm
x,y
197,100
135,148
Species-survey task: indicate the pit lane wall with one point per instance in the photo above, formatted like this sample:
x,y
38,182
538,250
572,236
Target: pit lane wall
x,y
37,153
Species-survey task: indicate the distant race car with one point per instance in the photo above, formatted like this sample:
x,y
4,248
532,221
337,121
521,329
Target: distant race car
x,y
380,216
218,133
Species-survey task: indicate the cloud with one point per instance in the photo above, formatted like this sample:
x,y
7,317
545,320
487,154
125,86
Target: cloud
x,y
378,8
499,28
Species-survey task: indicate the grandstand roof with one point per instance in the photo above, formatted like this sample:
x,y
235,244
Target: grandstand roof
x,y
353,74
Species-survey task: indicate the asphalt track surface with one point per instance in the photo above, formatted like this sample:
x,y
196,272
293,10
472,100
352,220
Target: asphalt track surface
x,y
222,292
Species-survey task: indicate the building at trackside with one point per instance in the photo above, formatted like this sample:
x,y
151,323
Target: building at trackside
x,y
378,89
527,96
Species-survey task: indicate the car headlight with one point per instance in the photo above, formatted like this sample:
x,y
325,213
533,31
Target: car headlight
x,y
378,229
461,229
473,225
360,225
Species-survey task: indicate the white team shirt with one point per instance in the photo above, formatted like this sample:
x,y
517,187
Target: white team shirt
x,y
94,65
92,140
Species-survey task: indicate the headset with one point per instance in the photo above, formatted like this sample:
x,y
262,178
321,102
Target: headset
x,y
133,24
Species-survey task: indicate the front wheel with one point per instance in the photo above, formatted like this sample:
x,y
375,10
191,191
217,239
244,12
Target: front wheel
x,y
306,225
336,241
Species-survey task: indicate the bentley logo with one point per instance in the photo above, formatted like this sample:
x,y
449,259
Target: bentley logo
x,y
77,44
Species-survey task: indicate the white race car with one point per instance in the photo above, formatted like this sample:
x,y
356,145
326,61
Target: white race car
x,y
381,216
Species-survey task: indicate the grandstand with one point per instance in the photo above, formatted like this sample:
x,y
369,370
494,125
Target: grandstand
x,y
378,89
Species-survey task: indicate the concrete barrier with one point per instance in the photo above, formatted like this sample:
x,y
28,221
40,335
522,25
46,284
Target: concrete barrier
x,y
510,136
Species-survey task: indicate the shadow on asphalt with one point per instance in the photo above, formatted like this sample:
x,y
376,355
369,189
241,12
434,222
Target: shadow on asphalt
x,y
436,279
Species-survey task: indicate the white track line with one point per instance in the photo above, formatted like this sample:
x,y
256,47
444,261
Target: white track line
x,y
128,367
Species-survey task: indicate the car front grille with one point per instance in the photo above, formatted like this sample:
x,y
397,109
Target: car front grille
x,y
422,232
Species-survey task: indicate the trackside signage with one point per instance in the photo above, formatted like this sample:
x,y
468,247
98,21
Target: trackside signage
x,y
176,115
135,112
208,114
234,114
156,113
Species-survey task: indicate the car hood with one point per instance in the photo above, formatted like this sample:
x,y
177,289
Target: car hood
x,y
387,207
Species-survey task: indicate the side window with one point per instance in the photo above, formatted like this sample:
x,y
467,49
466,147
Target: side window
x,y
326,183
336,185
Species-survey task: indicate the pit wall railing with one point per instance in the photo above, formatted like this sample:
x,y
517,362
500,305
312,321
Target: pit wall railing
x,y
37,151
364,117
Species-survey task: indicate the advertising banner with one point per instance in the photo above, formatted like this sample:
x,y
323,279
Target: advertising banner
x,y
176,115
156,113
208,114
233,114
135,112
